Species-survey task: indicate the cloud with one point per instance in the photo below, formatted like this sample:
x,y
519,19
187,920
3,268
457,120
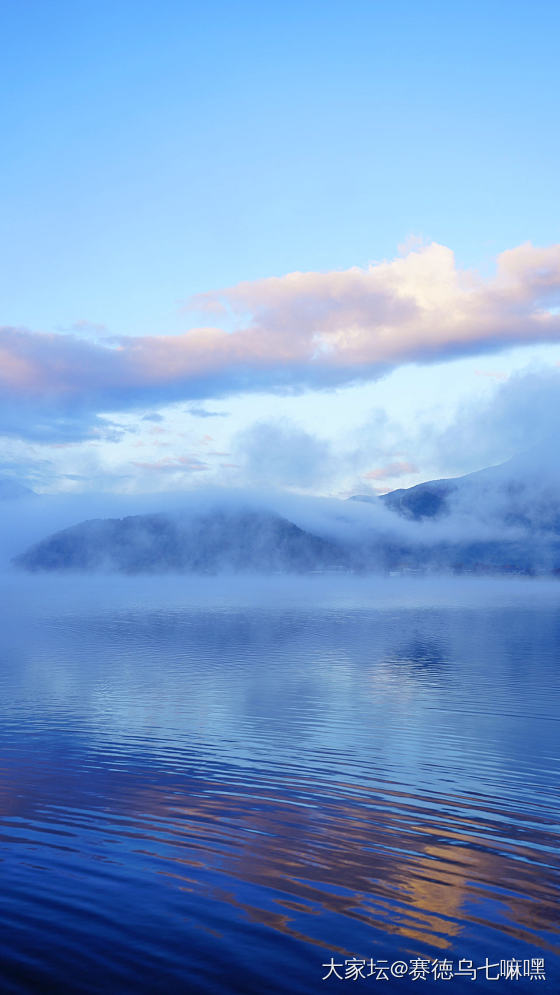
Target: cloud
x,y
279,453
418,307
85,327
391,471
173,463
152,416
46,423
492,374
204,413
521,416
305,330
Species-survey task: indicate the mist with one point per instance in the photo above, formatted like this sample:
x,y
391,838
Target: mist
x,y
504,518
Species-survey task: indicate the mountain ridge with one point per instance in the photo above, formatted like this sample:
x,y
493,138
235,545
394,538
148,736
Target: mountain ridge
x,y
490,521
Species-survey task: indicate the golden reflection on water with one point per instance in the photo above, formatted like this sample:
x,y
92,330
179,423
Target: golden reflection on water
x,y
382,859
416,866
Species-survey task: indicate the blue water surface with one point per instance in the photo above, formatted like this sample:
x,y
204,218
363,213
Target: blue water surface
x,y
229,785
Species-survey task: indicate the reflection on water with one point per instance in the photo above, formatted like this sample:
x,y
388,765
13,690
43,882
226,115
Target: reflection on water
x,y
201,793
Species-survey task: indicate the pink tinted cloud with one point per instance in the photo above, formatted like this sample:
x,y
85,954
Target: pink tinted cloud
x,y
417,307
305,330
390,471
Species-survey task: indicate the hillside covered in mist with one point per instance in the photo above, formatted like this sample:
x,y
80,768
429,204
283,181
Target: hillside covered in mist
x,y
220,540
504,519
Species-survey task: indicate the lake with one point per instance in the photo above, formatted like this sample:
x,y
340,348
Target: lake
x,y
243,785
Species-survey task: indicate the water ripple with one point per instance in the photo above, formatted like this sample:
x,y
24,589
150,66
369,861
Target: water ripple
x,y
220,799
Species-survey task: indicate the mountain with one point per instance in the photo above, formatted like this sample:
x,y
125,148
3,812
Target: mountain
x,y
503,519
523,493
220,540
427,500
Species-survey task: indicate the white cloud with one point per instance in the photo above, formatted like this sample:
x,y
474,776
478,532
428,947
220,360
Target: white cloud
x,y
305,330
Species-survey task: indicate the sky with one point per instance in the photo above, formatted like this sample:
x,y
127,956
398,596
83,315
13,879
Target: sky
x,y
310,246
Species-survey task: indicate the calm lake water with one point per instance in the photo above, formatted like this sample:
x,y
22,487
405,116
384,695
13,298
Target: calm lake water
x,y
223,785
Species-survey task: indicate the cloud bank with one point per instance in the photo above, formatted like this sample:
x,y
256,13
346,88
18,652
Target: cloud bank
x,y
522,416
299,331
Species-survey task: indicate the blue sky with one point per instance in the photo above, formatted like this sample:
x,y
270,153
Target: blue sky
x,y
156,152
